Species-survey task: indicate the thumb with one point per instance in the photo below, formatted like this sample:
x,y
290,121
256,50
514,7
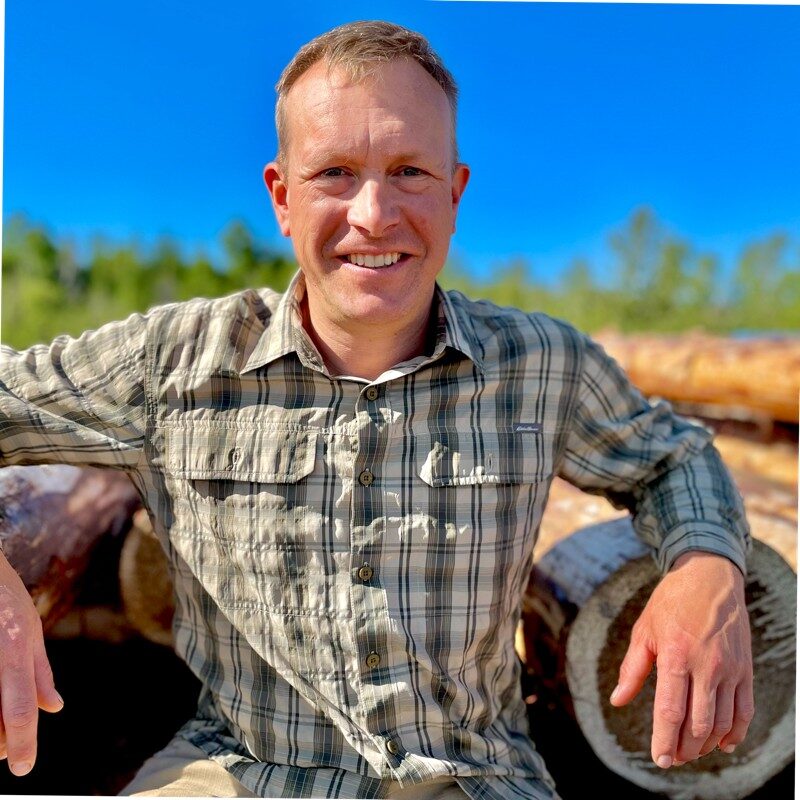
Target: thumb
x,y
47,697
633,672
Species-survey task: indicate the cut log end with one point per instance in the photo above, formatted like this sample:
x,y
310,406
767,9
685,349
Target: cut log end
x,y
598,639
145,584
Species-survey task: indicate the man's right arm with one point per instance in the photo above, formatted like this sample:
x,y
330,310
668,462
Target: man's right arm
x,y
77,401
81,402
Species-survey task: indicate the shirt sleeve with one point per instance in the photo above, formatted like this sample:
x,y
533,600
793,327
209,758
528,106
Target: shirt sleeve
x,y
77,401
661,467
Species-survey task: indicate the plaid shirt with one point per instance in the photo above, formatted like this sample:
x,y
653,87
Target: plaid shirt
x,y
349,555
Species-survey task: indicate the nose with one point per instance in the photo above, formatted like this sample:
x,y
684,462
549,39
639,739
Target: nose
x,y
372,209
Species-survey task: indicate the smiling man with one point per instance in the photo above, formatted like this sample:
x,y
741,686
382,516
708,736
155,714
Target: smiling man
x,y
367,185
348,481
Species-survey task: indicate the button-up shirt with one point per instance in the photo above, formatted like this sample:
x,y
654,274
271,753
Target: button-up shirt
x,y
349,555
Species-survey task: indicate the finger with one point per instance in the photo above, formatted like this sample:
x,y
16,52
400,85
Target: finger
x,y
48,698
699,723
633,672
744,709
3,753
20,715
723,718
669,710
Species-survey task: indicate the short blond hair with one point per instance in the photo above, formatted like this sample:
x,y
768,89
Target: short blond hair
x,y
359,48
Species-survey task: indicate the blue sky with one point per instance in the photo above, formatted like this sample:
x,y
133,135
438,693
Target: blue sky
x,y
141,119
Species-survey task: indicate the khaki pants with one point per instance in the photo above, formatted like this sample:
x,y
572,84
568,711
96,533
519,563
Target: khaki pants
x,y
183,770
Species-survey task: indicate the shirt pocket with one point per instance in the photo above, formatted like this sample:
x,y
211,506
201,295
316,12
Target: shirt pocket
x,y
246,517
481,502
244,455
478,503
243,484
483,458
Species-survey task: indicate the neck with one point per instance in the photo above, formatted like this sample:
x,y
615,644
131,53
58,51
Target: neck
x,y
365,350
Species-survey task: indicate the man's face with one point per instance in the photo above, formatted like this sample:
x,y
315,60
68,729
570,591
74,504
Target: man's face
x,y
368,192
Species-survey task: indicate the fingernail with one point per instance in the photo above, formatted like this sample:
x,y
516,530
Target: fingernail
x,y
678,763
729,748
60,698
21,768
665,762
615,694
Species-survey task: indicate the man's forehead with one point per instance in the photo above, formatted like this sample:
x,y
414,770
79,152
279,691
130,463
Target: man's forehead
x,y
328,108
323,81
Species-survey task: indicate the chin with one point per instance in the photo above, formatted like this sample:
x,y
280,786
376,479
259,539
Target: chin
x,y
378,311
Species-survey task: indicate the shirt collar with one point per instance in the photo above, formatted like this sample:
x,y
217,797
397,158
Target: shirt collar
x,y
459,332
286,334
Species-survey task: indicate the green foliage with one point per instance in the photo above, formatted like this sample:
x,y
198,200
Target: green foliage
x,y
655,282
46,292
658,282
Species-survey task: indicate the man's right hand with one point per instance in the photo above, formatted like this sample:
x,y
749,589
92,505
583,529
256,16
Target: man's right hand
x,y
26,680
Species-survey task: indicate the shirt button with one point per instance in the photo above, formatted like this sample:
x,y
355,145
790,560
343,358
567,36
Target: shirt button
x,y
366,478
365,573
371,393
392,746
373,660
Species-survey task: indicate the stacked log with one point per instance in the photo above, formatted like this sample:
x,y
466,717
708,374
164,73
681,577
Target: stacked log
x,y
51,518
145,584
747,376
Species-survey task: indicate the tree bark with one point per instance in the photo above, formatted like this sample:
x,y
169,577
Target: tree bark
x,y
50,519
747,376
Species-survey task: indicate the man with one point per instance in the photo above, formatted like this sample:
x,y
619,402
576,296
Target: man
x,y
348,480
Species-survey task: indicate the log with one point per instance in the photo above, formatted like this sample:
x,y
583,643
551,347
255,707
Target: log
x,y
145,585
145,590
97,623
51,517
775,462
745,376
582,600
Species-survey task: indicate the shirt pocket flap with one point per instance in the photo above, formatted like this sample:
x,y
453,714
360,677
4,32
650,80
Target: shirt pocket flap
x,y
211,452
498,458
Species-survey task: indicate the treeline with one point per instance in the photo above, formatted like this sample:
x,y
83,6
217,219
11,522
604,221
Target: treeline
x,y
655,281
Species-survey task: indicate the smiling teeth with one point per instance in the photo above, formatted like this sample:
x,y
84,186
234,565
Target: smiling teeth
x,y
383,260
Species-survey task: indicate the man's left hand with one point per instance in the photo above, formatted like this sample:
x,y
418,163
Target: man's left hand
x,y
696,630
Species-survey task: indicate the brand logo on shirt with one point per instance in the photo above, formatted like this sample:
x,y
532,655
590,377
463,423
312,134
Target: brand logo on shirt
x,y
528,427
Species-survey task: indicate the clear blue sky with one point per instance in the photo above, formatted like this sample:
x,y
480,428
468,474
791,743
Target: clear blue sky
x,y
148,118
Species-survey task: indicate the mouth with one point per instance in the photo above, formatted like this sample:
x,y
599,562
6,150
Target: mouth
x,y
374,260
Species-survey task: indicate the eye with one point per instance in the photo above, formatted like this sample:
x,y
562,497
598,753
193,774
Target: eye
x,y
410,172
333,172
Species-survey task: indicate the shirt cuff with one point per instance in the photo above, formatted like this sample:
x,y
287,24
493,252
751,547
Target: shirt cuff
x,y
707,537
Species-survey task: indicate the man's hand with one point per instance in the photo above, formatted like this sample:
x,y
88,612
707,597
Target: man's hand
x,y
696,629
26,680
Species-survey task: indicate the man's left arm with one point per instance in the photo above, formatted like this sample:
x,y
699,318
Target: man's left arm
x,y
695,627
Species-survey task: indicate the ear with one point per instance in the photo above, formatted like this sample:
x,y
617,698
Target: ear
x,y
459,183
279,194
